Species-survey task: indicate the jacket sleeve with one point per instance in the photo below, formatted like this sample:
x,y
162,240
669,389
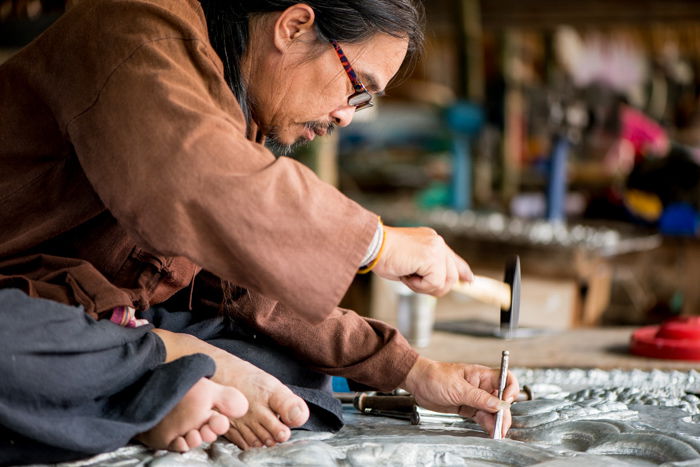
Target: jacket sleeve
x,y
163,145
344,344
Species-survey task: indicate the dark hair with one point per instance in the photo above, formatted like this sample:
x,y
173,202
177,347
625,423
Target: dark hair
x,y
349,21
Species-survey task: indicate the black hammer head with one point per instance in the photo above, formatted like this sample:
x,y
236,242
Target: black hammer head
x,y
510,316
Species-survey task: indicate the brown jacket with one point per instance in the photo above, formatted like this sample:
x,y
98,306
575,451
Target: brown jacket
x,y
125,169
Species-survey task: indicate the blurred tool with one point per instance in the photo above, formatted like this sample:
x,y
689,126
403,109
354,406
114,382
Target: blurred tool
x,y
464,121
504,294
557,184
369,401
498,427
525,394
374,400
567,119
401,407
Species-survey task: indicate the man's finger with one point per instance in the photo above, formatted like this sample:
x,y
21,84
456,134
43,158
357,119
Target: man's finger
x,y
419,284
466,411
486,420
480,399
451,276
465,272
430,284
512,388
507,420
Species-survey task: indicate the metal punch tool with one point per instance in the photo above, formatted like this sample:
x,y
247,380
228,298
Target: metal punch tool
x,y
498,428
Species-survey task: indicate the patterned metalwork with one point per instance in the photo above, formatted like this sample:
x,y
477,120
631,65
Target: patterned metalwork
x,y
581,418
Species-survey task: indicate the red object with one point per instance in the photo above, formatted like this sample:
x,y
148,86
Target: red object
x,y
645,135
677,339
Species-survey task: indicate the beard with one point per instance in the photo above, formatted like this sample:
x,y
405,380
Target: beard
x,y
279,148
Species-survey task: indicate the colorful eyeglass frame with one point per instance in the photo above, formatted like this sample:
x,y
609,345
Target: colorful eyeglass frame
x,y
361,98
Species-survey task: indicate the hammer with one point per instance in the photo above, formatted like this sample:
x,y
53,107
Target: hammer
x,y
505,295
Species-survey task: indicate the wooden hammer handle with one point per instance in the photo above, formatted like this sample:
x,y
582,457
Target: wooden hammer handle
x,y
486,290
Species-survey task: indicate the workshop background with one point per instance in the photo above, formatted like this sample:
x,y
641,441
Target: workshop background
x,y
565,132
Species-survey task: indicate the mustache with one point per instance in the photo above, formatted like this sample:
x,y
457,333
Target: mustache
x,y
329,128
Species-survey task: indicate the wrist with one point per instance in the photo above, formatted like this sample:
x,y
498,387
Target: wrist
x,y
375,249
374,245
415,374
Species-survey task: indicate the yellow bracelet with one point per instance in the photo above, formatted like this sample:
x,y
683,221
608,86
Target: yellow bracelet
x,y
374,262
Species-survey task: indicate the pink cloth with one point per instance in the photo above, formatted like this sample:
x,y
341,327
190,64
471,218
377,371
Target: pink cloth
x,y
126,316
645,134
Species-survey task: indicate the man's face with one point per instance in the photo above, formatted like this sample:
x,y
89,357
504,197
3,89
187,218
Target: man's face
x,y
305,94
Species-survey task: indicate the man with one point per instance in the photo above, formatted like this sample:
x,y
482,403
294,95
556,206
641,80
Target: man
x,y
132,175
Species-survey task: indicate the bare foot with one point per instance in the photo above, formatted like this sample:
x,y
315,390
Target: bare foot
x,y
200,417
273,409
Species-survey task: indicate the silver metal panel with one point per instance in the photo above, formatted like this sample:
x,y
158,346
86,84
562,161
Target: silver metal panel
x,y
582,418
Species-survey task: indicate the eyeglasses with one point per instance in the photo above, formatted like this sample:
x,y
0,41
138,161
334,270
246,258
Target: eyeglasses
x,y
361,98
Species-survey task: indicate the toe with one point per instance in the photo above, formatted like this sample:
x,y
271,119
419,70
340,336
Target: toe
x,y
248,435
269,426
208,435
282,435
235,437
231,402
179,445
193,439
269,442
218,423
262,434
291,408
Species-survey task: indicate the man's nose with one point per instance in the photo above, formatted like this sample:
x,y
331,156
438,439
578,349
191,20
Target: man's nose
x,y
342,116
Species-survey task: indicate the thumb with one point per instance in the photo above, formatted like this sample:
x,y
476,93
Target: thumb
x,y
482,400
465,272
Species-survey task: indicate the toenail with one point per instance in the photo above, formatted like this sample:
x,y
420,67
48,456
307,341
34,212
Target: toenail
x,y
295,413
269,443
281,435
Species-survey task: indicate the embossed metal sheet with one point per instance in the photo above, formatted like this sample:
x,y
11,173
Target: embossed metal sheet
x,y
586,418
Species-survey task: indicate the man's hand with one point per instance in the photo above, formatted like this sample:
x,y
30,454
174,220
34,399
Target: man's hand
x,y
421,259
468,390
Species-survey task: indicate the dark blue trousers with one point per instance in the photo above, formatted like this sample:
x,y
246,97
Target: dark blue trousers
x,y
71,386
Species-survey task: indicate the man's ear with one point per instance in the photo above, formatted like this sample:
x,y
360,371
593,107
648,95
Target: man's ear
x,y
292,24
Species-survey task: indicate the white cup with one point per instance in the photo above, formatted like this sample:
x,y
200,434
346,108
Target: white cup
x,y
415,315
